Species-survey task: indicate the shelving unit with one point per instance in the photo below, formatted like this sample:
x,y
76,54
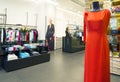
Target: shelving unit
x,y
26,62
115,2
114,34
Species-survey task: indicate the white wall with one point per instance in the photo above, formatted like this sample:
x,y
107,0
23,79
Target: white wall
x,y
17,12
64,17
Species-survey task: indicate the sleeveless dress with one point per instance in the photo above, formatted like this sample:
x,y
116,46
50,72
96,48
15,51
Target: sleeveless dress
x,y
97,60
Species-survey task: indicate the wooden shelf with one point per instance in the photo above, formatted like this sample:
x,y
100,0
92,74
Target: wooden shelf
x,y
115,15
116,3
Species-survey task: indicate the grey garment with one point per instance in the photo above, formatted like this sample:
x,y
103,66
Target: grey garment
x,y
34,53
50,31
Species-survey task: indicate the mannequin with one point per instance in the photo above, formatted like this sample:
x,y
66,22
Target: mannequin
x,y
97,57
95,6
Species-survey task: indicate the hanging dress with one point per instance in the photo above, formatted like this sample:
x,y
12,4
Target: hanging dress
x,y
97,60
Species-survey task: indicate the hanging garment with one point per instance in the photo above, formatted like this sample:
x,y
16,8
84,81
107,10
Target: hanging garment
x,y
2,35
35,35
13,36
17,35
10,35
97,60
31,35
7,35
27,37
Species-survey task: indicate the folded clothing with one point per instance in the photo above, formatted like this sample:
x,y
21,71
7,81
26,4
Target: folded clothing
x,y
11,57
34,53
114,31
44,51
24,55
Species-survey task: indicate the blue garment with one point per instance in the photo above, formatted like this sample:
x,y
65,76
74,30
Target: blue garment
x,y
24,55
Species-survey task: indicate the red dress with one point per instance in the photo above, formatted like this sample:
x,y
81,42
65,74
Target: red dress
x,y
97,60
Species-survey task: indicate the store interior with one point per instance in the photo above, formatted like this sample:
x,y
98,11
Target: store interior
x,y
25,50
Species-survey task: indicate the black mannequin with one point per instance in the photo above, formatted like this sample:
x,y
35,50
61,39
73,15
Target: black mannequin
x,y
95,6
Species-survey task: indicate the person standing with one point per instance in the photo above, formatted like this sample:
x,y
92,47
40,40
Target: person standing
x,y
50,35
67,32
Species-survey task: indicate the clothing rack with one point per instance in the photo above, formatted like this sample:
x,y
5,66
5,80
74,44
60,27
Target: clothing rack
x,y
11,25
9,47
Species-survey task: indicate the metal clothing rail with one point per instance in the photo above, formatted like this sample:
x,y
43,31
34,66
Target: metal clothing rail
x,y
16,25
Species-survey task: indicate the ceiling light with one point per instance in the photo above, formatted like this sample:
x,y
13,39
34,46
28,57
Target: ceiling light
x,y
52,2
38,1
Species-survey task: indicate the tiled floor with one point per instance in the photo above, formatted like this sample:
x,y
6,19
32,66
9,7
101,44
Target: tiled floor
x,y
63,67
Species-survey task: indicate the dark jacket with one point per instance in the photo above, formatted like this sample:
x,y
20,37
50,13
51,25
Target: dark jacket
x,y
67,34
50,31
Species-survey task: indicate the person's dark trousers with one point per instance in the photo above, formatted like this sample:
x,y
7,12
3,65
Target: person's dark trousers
x,y
51,44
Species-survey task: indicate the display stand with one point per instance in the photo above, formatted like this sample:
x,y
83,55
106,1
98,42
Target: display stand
x,y
114,38
115,66
72,44
26,62
75,42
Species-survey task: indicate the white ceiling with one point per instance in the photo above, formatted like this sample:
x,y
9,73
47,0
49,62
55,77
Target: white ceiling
x,y
77,6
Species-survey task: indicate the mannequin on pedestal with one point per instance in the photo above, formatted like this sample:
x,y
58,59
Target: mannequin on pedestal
x,y
97,59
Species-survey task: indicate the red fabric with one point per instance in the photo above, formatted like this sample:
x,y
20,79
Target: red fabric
x,y
97,60
85,17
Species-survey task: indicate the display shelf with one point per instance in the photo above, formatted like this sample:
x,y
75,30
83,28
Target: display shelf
x,y
115,59
116,3
71,45
115,42
10,47
25,62
115,71
74,42
115,66
115,15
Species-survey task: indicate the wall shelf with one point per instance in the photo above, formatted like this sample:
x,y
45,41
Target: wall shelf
x,y
25,62
116,3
